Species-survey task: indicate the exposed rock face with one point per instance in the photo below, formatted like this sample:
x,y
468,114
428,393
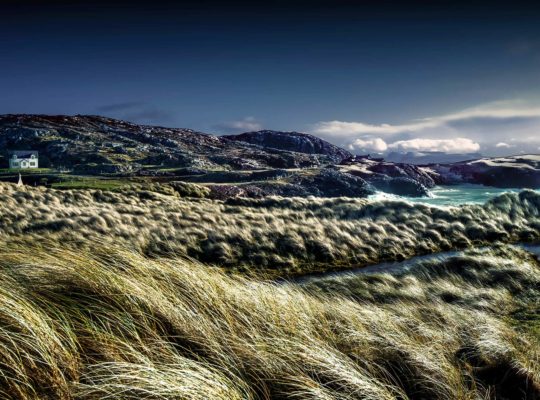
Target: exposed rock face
x,y
404,171
400,179
293,141
400,186
223,192
333,183
503,172
322,183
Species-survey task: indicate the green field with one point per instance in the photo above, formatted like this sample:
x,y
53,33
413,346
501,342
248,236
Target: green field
x,y
30,171
51,178
90,183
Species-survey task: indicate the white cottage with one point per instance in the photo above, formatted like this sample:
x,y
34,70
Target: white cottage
x,y
24,159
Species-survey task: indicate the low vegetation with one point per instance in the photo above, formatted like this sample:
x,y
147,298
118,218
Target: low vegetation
x,y
26,171
273,237
116,295
89,183
114,324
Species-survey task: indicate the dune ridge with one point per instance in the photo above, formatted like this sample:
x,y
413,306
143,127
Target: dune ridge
x,y
275,237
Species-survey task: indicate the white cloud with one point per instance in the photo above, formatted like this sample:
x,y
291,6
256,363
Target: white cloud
x,y
457,145
503,145
247,124
489,126
499,110
345,129
376,144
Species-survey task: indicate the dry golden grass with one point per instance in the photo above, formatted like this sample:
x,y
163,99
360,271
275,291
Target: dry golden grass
x,y
112,323
272,236
99,299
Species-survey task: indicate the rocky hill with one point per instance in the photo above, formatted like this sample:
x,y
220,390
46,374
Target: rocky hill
x,y
253,164
292,141
522,171
94,144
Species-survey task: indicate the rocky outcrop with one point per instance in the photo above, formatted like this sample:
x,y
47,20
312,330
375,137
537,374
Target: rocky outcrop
x,y
292,141
327,182
407,171
333,183
399,186
399,179
503,172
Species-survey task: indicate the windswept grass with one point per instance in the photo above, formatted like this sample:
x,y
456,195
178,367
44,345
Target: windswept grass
x,y
102,297
270,237
115,324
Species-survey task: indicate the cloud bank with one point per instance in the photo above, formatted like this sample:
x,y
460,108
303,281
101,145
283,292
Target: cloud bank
x,y
452,146
492,128
457,145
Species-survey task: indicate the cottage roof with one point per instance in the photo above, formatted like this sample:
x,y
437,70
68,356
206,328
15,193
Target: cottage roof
x,y
24,153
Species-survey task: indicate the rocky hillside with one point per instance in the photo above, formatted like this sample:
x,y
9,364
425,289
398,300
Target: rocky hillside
x,y
521,171
93,145
292,141
253,164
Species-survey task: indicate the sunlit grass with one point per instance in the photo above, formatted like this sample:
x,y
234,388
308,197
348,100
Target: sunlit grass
x,y
272,237
111,323
101,297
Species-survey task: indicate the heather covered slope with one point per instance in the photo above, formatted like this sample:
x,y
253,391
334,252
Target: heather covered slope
x,y
272,236
110,323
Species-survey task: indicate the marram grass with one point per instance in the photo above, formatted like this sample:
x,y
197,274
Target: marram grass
x,y
272,237
111,323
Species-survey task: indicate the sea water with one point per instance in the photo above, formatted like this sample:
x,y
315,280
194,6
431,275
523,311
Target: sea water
x,y
454,195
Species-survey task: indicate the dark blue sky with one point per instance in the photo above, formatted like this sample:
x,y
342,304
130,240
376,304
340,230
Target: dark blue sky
x,y
232,66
